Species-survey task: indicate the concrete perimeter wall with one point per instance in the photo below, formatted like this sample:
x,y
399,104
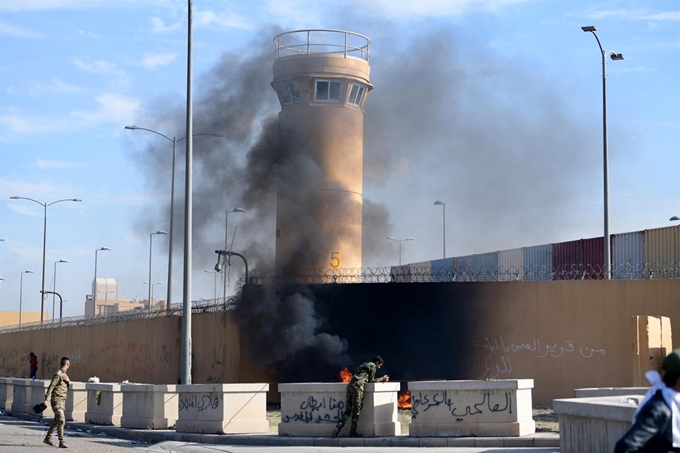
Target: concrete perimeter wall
x,y
564,335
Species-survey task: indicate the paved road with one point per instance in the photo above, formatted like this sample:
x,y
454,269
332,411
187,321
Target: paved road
x,y
23,436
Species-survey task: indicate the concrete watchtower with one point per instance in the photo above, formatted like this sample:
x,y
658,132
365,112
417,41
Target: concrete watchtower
x,y
322,80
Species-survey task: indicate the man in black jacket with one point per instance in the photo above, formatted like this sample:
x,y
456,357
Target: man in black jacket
x,y
653,430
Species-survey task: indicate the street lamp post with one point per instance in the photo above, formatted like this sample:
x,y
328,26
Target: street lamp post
x,y
54,286
150,254
151,285
614,56
21,292
171,236
94,284
443,205
400,241
214,282
45,206
226,244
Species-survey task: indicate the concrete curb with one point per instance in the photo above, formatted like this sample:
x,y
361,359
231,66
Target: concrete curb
x,y
545,440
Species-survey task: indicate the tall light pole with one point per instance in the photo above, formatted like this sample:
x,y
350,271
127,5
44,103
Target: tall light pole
x,y
150,255
171,237
45,206
443,205
21,293
188,212
94,284
400,241
54,285
214,282
615,57
226,244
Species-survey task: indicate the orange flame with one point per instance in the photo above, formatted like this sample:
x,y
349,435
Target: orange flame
x,y
404,400
345,375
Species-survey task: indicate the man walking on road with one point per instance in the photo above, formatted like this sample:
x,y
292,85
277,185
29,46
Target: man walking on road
x,y
56,395
355,394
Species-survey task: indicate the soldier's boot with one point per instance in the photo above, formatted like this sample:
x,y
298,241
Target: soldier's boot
x,y
337,429
48,437
353,431
60,433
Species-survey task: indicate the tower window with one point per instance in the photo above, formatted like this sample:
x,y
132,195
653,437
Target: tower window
x,y
290,94
356,94
327,90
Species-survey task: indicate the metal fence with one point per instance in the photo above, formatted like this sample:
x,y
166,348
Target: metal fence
x,y
411,274
197,307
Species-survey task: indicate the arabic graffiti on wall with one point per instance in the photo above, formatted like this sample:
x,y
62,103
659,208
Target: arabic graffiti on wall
x,y
313,410
199,403
494,356
460,404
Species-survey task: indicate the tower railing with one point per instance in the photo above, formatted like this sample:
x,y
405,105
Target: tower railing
x,y
321,41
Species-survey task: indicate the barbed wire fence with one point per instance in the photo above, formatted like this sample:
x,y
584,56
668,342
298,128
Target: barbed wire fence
x,y
395,274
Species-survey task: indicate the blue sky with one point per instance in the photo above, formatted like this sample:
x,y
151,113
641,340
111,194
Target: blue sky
x,y
494,107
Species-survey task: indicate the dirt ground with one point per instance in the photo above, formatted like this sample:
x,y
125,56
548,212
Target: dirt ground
x,y
546,420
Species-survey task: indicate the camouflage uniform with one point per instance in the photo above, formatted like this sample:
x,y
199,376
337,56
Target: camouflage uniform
x,y
56,394
355,394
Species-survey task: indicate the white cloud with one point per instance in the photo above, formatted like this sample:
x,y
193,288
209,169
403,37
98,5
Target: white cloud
x,y
112,107
151,61
158,26
628,14
44,5
54,86
226,19
435,8
88,34
99,67
55,164
18,32
24,124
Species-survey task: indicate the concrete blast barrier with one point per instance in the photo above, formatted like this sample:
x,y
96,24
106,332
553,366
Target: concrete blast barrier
x,y
222,408
38,390
471,408
76,402
313,409
22,396
148,406
104,404
6,393
593,425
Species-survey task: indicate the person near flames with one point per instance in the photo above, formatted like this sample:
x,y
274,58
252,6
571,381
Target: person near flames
x,y
56,395
656,421
355,394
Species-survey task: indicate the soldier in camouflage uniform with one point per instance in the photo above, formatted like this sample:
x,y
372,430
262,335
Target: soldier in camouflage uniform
x,y
355,394
56,395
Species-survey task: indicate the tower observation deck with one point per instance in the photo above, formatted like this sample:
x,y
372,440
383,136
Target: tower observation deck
x,y
321,78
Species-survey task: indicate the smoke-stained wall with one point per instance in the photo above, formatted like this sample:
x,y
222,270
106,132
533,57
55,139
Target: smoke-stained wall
x,y
564,335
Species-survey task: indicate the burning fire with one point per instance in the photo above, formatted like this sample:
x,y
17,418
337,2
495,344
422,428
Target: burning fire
x,y
345,375
404,400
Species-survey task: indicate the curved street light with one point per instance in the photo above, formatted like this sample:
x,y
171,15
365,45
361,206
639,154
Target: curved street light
x,y
226,244
616,57
21,293
171,237
150,255
45,206
443,205
54,287
94,284
400,241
